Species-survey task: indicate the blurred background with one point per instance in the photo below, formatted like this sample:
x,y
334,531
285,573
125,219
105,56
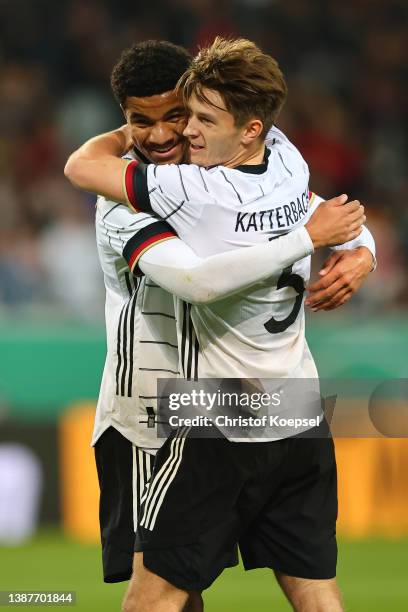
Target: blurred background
x,y
346,68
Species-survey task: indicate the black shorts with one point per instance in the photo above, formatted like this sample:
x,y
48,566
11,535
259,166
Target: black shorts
x,y
277,500
123,471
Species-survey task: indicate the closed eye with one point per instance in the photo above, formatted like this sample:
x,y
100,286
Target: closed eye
x,y
140,120
176,117
206,120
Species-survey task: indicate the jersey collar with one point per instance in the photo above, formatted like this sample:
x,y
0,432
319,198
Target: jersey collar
x,y
256,168
248,168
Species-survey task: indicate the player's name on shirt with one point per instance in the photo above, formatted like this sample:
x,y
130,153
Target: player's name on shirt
x,y
278,217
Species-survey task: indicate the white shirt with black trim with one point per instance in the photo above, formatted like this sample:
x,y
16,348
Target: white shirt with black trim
x,y
140,326
261,331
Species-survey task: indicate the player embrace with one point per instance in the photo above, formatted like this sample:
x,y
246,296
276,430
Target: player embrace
x,y
276,499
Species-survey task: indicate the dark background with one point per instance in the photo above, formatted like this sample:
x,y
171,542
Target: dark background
x,y
346,65
347,112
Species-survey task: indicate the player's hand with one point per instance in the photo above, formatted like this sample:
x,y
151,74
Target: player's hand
x,y
335,223
341,276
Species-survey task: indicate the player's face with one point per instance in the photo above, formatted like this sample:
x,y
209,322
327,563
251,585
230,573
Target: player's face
x,y
211,130
157,124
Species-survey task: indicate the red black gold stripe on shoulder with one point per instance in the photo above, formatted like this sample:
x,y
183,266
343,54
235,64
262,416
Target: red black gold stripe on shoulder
x,y
144,240
312,196
136,188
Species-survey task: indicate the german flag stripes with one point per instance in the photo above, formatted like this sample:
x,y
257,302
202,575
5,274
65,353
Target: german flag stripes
x,y
135,184
143,240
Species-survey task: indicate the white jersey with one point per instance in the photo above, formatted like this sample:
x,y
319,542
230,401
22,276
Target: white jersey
x,y
140,327
259,332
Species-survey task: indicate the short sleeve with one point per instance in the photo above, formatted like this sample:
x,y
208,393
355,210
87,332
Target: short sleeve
x,y
176,193
129,234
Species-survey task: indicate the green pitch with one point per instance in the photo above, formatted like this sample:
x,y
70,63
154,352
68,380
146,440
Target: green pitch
x,y
372,575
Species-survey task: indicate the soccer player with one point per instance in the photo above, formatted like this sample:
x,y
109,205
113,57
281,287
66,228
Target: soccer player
x,y
140,316
238,142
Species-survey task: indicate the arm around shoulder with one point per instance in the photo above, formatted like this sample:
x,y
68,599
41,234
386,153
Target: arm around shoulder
x,y
96,166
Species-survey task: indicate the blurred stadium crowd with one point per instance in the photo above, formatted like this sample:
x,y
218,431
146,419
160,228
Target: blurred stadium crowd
x,y
347,108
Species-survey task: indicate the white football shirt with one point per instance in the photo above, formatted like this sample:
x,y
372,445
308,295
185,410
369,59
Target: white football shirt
x,y
140,326
259,332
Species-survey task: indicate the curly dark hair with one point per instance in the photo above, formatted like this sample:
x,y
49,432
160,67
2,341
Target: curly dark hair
x,y
148,68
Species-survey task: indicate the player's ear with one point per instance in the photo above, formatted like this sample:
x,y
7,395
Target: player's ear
x,y
252,131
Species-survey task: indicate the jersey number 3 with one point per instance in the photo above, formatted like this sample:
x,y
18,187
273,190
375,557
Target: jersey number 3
x,y
287,279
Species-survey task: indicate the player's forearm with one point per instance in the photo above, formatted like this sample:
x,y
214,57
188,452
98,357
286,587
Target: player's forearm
x,y
365,239
96,166
173,266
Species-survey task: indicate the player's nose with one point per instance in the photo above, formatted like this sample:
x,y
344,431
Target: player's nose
x,y
161,134
191,131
